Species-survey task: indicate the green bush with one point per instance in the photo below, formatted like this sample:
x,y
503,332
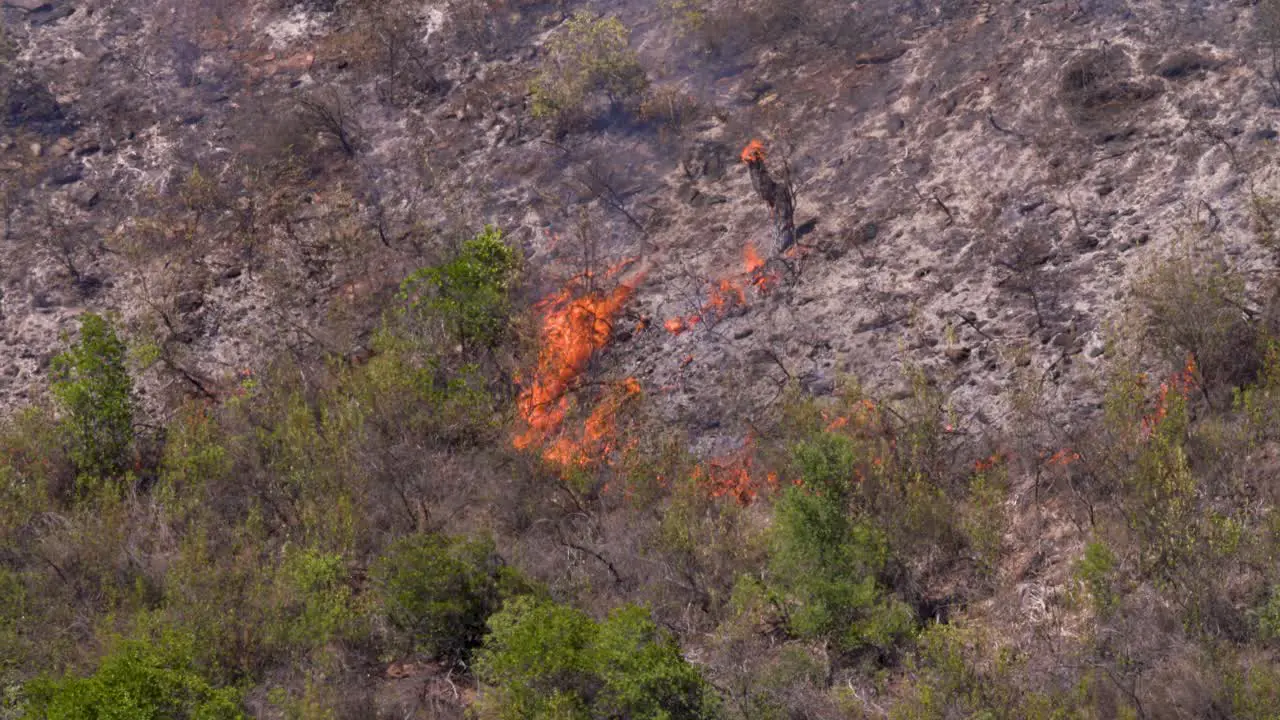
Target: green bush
x,y
542,660
1096,571
826,564
318,598
95,394
590,57
139,680
440,591
469,294
959,672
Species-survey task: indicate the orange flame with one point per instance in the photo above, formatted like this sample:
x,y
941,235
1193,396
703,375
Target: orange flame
x,y
728,292
734,476
753,152
574,327
598,438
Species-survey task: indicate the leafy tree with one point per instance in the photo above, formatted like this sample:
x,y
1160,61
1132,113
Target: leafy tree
x,y
589,57
139,680
441,591
826,564
470,293
544,660
95,393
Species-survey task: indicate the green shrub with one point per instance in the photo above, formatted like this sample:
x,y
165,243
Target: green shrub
x,y
95,394
1096,572
138,680
469,294
958,672
440,591
590,57
317,593
984,521
542,660
827,564
1268,616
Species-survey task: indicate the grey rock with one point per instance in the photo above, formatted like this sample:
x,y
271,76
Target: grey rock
x,y
188,302
818,383
66,175
51,14
84,196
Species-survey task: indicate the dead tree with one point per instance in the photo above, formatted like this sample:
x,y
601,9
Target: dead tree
x,y
777,195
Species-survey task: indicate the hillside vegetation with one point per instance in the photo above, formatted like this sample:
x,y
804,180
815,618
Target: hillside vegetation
x,y
503,360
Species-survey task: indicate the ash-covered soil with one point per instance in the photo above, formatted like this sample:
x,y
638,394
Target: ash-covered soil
x,y
978,186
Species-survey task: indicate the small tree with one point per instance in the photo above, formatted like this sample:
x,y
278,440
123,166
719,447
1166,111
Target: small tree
x,y
95,394
826,563
469,294
440,591
543,661
590,57
779,196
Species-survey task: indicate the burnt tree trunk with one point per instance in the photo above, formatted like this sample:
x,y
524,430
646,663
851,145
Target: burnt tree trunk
x,y
779,198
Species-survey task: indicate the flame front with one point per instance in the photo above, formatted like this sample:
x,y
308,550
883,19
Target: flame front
x,y
599,437
751,257
574,327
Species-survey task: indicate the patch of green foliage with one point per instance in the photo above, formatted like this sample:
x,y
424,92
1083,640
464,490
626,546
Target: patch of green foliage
x,y
1096,571
322,606
958,672
137,680
95,394
542,660
588,58
471,293
440,591
827,563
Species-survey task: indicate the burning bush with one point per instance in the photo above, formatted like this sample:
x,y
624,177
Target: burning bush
x,y
588,59
575,324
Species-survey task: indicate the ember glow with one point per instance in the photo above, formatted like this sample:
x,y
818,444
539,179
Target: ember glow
x,y
735,476
574,326
753,152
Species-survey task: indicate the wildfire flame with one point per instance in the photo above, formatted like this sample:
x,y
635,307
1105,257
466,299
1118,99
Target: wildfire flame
x,y
574,327
754,152
598,438
729,292
734,476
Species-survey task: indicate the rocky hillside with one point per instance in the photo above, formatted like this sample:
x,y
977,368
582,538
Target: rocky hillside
x,y
999,209
978,185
